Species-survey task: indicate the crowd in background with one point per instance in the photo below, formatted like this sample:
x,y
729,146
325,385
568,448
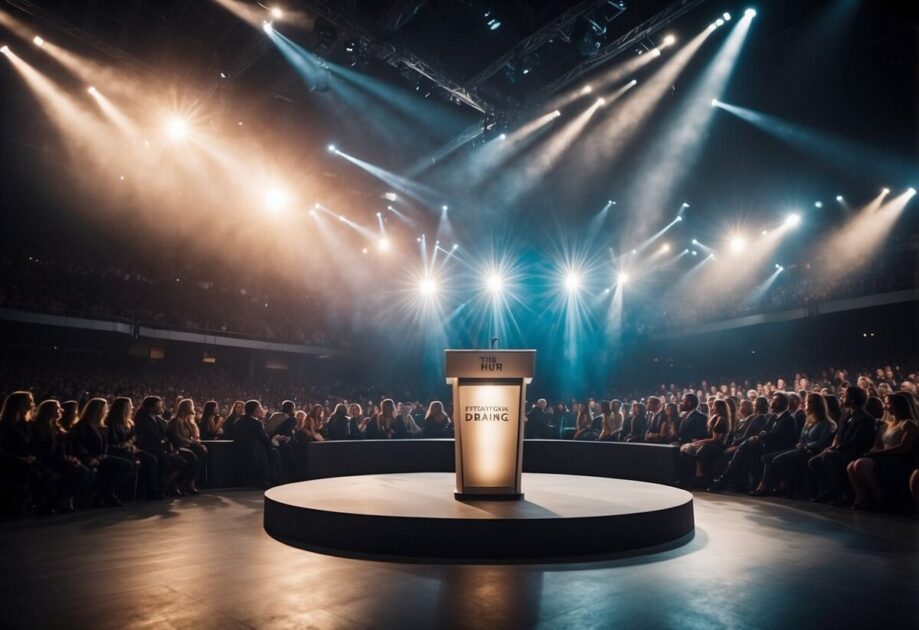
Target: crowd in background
x,y
91,436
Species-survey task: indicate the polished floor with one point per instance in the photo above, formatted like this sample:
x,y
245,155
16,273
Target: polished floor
x,y
206,562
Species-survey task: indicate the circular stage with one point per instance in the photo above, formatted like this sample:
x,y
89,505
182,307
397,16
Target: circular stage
x,y
415,514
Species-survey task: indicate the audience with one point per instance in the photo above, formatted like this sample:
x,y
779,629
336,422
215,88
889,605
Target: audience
x,y
838,454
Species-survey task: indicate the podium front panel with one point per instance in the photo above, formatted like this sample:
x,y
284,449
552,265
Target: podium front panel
x,y
488,419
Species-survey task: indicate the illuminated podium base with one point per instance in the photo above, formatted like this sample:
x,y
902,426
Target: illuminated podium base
x,y
416,514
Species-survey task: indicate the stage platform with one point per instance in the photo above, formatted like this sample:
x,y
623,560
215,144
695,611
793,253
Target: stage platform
x,y
416,515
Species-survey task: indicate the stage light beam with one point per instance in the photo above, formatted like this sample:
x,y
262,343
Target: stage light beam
x,y
176,128
793,220
38,41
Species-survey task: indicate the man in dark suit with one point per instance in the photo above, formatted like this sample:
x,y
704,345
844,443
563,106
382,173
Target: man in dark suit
x,y
693,426
778,434
257,450
854,436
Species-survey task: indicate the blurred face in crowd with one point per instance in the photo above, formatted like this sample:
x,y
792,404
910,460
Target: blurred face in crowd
x,y
159,407
883,390
746,407
259,412
541,403
685,404
654,405
776,405
780,384
908,386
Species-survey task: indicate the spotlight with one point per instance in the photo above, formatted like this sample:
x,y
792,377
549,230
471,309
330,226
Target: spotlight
x,y
455,247
679,218
341,218
839,198
695,253
665,247
503,136
714,102
726,16
685,205
719,22
275,199
364,251
572,281
5,50
495,283
911,191
390,196
737,244
779,267
751,13
765,232
317,205
557,113
267,27
92,90
586,89
622,277
444,208
177,128
383,245
885,191
695,242
669,40
332,148
601,101
38,41
379,214
427,287
793,220
818,204
277,13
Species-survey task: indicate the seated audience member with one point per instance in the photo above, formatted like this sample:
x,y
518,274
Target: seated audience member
x,y
603,411
635,427
34,481
701,455
211,423
53,449
257,450
405,425
152,437
437,423
358,422
657,418
693,425
340,423
777,434
585,430
229,425
382,425
283,422
310,429
183,434
854,435
536,422
610,423
565,421
90,444
122,438
784,471
883,474
666,432
70,411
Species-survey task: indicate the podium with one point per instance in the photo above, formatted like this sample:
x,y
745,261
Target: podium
x,y
489,391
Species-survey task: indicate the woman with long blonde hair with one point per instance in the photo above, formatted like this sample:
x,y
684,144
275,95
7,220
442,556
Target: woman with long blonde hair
x,y
122,442
183,434
91,445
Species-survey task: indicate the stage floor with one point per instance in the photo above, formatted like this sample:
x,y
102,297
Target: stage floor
x,y
416,514
206,562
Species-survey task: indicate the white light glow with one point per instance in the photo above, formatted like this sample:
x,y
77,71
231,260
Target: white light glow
x,y
277,13
276,199
177,128
572,281
427,287
737,244
267,27
38,41
384,245
622,277
793,220
495,283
